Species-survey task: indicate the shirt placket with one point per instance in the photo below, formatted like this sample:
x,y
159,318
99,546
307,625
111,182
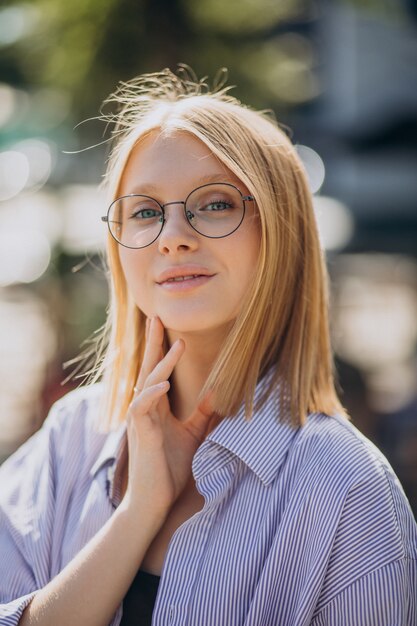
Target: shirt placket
x,y
185,554
178,580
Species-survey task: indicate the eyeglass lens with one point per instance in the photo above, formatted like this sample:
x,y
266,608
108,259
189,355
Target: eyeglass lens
x,y
213,210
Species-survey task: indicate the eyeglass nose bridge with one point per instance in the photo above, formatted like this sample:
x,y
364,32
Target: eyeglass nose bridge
x,y
189,215
173,202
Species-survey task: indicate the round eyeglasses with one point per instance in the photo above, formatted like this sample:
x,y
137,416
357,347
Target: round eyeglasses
x,y
214,210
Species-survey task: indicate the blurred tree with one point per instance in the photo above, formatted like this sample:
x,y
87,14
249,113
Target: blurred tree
x,y
85,47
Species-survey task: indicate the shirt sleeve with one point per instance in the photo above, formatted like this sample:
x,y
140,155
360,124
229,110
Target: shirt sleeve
x,y
27,502
381,598
372,571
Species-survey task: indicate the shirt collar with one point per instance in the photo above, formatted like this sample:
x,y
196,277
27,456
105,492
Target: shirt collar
x,y
112,449
261,442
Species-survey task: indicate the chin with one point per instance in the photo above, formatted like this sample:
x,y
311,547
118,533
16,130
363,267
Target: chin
x,y
184,325
193,323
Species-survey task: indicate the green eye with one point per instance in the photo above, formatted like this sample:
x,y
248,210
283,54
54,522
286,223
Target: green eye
x,y
219,205
146,214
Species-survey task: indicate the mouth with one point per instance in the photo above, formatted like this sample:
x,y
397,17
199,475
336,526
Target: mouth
x,y
183,273
179,279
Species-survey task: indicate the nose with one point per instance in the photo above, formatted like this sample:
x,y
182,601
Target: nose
x,y
177,234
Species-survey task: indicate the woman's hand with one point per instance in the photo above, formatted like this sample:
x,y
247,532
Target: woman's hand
x,y
161,448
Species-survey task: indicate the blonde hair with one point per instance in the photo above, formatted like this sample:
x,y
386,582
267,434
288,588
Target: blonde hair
x,y
284,322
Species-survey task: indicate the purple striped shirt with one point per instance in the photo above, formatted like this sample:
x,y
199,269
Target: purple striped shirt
x,y
299,526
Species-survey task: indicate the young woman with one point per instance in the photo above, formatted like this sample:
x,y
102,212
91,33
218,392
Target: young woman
x,y
212,478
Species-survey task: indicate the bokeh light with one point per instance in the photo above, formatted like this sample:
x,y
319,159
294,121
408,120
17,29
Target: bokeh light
x,y
14,173
24,256
40,159
335,222
314,167
16,22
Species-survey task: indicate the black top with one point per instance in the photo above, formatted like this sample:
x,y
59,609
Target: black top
x,y
140,599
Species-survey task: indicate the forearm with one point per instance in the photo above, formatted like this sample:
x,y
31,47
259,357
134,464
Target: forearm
x,y
90,588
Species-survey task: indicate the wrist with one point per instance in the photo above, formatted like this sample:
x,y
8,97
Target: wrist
x,y
148,510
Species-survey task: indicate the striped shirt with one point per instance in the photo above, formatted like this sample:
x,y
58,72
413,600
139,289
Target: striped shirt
x,y
300,525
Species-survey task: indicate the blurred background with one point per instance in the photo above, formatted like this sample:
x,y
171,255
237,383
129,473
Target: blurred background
x,y
341,74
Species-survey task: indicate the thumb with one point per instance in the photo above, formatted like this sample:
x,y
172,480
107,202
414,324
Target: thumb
x,y
204,418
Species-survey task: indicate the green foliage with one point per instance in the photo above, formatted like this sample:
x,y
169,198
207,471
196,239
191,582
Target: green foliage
x,y
85,47
241,16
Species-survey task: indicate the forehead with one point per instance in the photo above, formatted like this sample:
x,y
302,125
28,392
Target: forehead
x,y
180,160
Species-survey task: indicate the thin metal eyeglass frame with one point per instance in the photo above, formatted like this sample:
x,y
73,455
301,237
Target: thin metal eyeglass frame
x,y
105,218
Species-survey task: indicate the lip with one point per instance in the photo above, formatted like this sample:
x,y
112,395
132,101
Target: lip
x,y
200,276
182,270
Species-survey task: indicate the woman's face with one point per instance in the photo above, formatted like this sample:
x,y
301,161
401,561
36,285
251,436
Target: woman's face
x,y
168,169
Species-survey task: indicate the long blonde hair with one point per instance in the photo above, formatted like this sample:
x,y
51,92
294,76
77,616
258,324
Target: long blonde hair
x,y
284,322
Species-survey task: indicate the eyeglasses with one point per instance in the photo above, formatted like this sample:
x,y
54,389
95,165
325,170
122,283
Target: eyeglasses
x,y
214,210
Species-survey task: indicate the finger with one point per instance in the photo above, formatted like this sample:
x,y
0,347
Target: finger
x,y
165,367
143,403
153,349
147,328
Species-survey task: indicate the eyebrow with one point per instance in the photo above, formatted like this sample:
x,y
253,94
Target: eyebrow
x,y
150,188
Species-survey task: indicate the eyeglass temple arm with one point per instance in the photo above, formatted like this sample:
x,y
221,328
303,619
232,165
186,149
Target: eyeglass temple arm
x,y
104,218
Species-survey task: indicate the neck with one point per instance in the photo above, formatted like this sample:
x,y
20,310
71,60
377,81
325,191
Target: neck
x,y
193,369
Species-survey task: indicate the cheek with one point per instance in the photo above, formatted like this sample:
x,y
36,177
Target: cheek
x,y
243,255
